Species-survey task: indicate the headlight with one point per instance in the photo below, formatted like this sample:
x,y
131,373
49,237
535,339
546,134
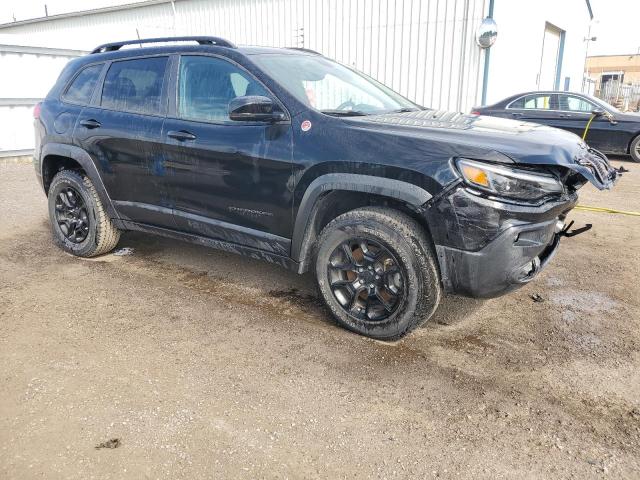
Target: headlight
x,y
508,182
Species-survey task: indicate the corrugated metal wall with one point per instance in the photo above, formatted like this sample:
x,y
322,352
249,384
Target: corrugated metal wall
x,y
424,49
27,75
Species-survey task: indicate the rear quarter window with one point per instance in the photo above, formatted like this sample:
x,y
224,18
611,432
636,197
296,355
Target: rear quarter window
x,y
81,88
519,103
135,85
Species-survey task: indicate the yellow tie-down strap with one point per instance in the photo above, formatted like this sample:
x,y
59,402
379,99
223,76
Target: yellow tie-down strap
x,y
588,208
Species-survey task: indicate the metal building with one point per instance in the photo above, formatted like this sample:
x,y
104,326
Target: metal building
x,y
424,49
27,73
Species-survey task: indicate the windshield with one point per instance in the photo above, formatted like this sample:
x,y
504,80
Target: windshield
x,y
330,87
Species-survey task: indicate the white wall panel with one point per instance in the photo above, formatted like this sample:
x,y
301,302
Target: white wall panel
x,y
27,75
16,127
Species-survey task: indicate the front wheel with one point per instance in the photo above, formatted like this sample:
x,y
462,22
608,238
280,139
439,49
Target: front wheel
x,y
634,149
79,222
377,273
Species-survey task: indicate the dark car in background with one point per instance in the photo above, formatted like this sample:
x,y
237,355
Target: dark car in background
x,y
611,131
287,156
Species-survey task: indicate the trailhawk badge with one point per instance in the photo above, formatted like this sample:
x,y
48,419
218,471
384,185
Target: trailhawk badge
x,y
305,126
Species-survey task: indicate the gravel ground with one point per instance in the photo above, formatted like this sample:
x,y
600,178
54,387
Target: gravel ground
x,y
207,365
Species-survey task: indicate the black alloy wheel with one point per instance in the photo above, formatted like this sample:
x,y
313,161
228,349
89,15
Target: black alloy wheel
x,y
376,272
71,215
366,279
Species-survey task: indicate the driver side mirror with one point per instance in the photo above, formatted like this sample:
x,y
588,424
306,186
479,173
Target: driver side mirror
x,y
600,112
254,108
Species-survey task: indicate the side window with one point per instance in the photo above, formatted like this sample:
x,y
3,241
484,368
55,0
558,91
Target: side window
x,y
575,104
81,89
206,85
538,102
519,103
135,85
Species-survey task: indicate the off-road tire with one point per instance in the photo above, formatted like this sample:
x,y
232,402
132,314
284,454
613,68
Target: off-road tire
x,y
407,241
102,236
634,149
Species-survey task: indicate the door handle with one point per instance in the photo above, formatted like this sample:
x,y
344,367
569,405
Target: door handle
x,y
91,123
516,114
181,135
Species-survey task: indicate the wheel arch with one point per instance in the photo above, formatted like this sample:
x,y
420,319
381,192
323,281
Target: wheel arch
x,y
333,194
57,156
634,136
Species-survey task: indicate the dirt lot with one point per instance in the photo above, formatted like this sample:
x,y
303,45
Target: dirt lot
x,y
205,364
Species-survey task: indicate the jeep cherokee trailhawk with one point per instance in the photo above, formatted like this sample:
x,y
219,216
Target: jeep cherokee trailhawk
x,y
287,156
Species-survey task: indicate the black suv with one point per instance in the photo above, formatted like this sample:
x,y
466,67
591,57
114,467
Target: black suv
x,y
289,157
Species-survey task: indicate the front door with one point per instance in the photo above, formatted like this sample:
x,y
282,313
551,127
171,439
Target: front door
x,y
230,180
122,131
603,134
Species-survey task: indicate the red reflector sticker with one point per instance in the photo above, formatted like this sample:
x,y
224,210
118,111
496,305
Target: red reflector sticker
x,y
305,126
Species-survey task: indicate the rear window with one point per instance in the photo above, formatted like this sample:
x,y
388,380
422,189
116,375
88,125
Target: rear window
x,y
135,85
534,102
82,87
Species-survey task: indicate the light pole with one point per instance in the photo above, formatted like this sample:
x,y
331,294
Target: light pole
x,y
585,72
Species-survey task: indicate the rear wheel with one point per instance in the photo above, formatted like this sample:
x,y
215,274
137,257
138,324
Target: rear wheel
x,y
634,149
377,273
79,223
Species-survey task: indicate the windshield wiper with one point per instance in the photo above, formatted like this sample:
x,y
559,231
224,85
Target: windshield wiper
x,y
405,110
345,113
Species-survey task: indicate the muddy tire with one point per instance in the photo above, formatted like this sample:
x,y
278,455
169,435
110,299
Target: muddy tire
x,y
376,272
79,222
634,149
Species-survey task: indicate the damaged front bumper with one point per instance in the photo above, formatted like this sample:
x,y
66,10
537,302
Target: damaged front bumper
x,y
509,261
486,247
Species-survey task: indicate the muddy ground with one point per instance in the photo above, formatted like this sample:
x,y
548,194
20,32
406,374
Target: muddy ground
x,y
208,365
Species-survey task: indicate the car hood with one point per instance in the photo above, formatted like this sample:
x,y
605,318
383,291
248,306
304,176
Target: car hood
x,y
505,140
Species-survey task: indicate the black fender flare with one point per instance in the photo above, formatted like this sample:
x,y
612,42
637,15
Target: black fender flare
x,y
387,187
86,162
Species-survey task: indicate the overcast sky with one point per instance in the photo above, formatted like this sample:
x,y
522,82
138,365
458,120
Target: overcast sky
x,y
617,24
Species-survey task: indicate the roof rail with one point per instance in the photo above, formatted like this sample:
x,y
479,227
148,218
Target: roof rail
x,y
307,50
112,47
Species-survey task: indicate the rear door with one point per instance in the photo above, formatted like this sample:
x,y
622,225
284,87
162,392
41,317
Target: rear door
x,y
122,131
230,180
538,108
